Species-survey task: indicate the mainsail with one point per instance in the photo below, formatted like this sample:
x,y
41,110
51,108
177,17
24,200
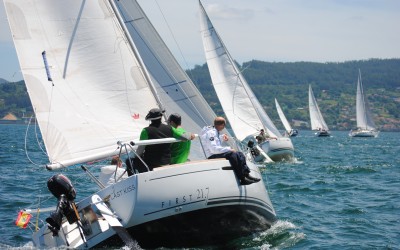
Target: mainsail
x,y
317,121
364,118
98,94
244,112
282,116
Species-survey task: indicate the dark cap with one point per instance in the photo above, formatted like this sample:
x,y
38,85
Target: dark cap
x,y
176,118
154,114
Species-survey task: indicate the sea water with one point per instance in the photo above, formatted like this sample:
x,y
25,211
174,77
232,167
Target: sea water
x,y
339,193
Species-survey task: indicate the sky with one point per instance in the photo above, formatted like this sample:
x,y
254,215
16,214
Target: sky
x,y
266,30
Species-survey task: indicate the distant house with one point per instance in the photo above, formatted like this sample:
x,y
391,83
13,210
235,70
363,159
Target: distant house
x,y
10,117
300,124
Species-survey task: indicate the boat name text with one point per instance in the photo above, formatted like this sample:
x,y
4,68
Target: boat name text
x,y
197,195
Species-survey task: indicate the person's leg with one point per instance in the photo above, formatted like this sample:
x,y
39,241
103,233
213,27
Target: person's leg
x,y
233,160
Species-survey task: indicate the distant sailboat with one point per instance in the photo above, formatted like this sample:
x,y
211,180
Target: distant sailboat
x,y
317,121
365,125
244,112
288,129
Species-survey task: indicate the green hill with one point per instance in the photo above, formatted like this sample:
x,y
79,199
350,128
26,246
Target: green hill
x,y
334,86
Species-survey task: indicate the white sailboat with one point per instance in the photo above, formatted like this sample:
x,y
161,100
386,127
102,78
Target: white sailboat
x,y
241,107
317,121
365,124
98,88
288,129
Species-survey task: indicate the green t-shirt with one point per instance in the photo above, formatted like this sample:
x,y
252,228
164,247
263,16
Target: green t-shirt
x,y
180,150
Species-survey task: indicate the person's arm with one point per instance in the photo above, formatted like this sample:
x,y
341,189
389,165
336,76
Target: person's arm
x,y
184,136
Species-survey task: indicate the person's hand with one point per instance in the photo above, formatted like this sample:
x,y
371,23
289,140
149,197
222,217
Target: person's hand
x,y
192,136
233,150
225,137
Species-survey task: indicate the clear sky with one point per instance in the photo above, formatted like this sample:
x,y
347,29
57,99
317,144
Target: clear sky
x,y
267,30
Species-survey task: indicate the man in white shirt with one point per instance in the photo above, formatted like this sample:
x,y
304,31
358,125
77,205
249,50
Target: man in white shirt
x,y
211,140
112,173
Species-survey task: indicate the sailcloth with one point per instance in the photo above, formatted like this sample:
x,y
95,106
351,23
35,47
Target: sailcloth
x,y
317,121
364,118
98,94
175,90
282,116
244,112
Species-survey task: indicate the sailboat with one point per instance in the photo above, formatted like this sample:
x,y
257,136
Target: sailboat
x,y
317,121
365,124
91,83
245,114
288,129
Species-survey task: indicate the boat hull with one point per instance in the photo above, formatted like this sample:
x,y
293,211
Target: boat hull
x,y
214,226
187,205
293,133
363,133
322,133
280,149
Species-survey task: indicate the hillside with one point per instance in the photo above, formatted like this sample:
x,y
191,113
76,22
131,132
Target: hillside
x,y
334,86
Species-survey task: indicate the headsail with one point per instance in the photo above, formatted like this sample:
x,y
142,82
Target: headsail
x,y
99,93
174,88
317,121
243,110
282,116
364,118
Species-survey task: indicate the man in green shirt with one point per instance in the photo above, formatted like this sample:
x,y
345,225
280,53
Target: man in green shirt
x,y
158,155
179,150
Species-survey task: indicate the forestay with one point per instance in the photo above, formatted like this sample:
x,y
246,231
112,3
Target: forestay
x,y
244,112
98,94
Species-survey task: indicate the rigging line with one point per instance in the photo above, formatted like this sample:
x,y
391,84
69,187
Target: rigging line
x,y
37,138
172,34
26,143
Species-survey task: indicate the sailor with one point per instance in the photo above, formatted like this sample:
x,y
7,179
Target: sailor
x,y
179,150
255,153
114,172
158,155
211,140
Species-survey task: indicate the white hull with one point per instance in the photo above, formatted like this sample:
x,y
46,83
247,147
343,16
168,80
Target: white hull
x,y
168,206
279,149
364,133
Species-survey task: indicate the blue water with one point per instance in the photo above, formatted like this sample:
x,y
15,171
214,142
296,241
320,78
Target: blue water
x,y
340,193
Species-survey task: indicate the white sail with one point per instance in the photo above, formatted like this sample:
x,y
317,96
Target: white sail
x,y
98,94
174,88
364,118
244,112
317,121
282,116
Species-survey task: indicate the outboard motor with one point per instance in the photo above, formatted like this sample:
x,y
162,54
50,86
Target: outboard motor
x,y
61,187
